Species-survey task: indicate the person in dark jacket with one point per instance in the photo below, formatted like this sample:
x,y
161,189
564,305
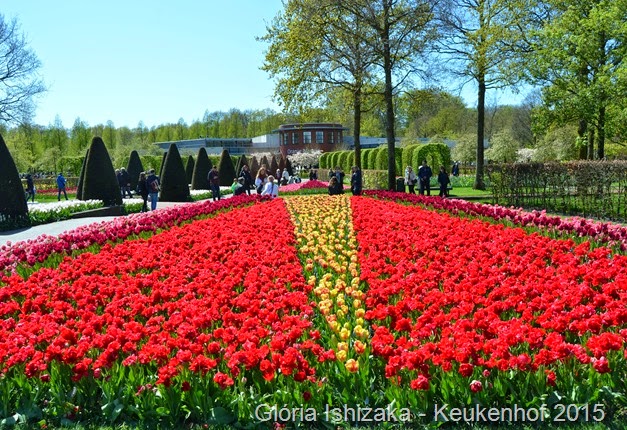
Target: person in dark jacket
x,y
30,188
443,180
61,182
335,188
142,190
248,178
356,184
424,177
154,186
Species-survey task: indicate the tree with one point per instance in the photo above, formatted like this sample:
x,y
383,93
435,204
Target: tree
x,y
79,136
316,46
13,206
577,54
100,182
174,187
477,42
400,30
19,79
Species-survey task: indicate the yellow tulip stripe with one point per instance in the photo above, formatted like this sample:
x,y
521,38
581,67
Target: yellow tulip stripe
x,y
328,250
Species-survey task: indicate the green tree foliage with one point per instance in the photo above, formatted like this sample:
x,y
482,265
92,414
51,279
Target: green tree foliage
x,y
577,53
316,47
465,149
134,168
174,187
503,148
100,182
226,169
201,170
477,40
13,206
189,169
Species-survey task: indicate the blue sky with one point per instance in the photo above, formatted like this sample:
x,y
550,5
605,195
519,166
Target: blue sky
x,y
152,61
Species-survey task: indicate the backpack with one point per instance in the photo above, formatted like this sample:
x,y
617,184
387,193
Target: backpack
x,y
154,186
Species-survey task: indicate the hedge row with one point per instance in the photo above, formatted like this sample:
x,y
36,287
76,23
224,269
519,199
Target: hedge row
x,y
586,188
436,154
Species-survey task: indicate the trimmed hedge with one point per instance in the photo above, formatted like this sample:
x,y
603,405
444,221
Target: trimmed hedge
x,y
99,181
436,154
134,168
174,186
226,170
585,188
13,205
189,169
201,170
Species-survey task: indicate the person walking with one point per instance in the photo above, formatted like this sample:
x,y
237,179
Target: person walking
x,y
61,183
356,183
214,183
424,177
142,190
410,179
248,179
154,186
125,187
30,188
443,180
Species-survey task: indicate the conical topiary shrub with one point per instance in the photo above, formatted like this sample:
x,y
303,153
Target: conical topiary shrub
x,y
81,178
288,166
189,169
13,206
201,170
162,162
254,167
265,163
273,166
174,187
100,182
134,168
282,164
226,169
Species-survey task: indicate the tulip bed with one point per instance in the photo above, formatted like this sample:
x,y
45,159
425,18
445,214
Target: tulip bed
x,y
331,309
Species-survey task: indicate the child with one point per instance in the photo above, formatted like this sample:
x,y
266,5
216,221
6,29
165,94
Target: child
x,y
443,180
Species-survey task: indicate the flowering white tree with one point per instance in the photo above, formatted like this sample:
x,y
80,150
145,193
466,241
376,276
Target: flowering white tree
x,y
308,157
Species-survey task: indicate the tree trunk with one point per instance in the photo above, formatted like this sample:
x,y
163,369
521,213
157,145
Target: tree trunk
x,y
591,144
389,102
479,183
601,130
581,133
357,126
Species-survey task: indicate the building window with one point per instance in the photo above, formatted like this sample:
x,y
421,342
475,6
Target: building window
x,y
294,138
285,139
331,138
319,136
307,137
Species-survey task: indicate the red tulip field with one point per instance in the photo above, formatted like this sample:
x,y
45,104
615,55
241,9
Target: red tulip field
x,y
317,310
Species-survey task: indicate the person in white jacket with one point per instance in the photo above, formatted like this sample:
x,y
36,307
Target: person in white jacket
x,y
410,179
270,189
